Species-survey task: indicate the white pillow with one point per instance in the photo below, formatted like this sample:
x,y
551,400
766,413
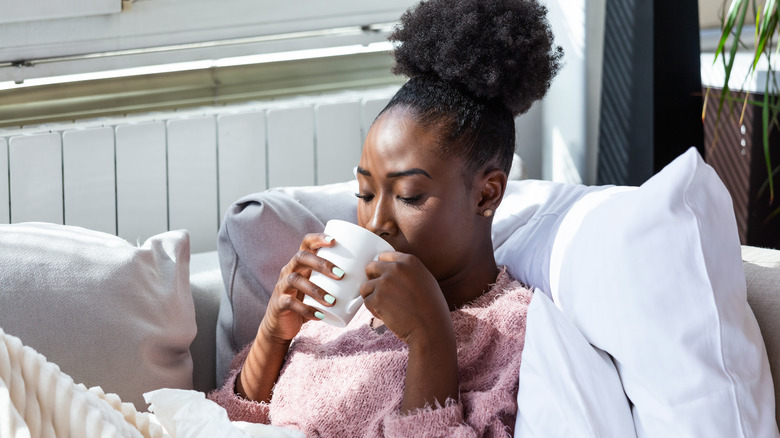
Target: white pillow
x,y
108,313
525,224
653,276
567,388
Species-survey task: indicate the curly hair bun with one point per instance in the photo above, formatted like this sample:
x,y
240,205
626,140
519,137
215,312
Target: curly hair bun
x,y
493,49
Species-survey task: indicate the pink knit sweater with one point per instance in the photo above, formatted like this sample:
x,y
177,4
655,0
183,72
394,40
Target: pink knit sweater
x,y
348,382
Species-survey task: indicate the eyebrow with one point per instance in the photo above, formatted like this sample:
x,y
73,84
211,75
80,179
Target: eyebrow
x,y
408,172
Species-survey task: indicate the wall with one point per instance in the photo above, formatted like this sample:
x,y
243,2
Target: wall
x,y
710,12
558,137
141,175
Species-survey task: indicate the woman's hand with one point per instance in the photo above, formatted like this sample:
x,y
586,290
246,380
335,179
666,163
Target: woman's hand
x,y
284,317
286,312
407,298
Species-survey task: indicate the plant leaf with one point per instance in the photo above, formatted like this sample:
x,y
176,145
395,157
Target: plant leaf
x,y
731,17
768,25
765,185
765,137
729,64
772,216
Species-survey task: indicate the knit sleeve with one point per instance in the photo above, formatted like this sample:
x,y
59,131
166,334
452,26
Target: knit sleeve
x,y
237,407
488,415
444,420
489,360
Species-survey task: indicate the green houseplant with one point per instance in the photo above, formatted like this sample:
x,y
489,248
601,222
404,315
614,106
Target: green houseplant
x,y
737,18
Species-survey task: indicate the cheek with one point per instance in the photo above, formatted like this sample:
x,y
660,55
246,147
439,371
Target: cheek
x,y
444,232
425,231
362,214
365,213
438,246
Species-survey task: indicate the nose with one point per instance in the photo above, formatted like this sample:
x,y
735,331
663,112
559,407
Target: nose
x,y
381,219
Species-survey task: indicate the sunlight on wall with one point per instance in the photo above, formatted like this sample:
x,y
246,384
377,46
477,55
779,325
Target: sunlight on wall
x,y
205,64
573,15
565,124
564,168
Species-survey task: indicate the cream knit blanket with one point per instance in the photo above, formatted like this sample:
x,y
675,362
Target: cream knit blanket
x,y
39,400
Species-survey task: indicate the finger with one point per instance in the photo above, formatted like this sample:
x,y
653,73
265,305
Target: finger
x,y
314,241
292,304
390,256
382,264
367,289
302,284
310,261
371,299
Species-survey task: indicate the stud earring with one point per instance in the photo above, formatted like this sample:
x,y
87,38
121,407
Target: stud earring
x,y
487,213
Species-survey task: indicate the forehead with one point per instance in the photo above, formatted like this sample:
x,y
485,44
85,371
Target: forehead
x,y
396,141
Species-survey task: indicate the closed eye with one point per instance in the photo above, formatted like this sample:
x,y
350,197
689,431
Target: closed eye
x,y
412,200
364,198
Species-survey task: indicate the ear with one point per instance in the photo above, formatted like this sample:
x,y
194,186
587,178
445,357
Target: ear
x,y
492,185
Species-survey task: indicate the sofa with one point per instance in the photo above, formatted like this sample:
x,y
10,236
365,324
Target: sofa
x,y
84,299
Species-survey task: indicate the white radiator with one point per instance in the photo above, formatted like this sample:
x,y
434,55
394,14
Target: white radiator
x,y
137,176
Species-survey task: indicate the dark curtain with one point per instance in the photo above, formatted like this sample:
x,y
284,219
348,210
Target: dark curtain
x,y
651,88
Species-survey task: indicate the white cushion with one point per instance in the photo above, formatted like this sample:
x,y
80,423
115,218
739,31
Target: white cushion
x,y
525,225
653,276
567,388
108,313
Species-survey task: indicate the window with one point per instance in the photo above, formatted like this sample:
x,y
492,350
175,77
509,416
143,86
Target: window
x,y
164,54
163,31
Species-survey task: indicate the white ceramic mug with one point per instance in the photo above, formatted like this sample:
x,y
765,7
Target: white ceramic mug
x,y
354,249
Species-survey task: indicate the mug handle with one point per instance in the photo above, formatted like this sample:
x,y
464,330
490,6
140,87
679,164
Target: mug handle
x,y
353,305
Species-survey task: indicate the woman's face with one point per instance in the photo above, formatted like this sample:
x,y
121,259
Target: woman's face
x,y
415,198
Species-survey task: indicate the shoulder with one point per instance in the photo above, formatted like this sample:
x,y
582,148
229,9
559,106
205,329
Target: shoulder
x,y
502,310
505,294
506,284
491,336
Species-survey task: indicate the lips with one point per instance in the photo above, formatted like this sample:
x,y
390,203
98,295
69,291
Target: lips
x,y
399,245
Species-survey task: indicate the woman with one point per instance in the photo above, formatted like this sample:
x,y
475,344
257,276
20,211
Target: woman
x,y
437,348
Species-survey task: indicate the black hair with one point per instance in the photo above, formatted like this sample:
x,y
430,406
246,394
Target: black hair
x,y
473,65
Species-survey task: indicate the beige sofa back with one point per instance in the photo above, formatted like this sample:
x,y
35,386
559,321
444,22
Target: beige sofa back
x,y
762,273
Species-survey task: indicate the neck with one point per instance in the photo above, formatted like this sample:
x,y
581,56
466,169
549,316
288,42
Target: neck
x,y
472,281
